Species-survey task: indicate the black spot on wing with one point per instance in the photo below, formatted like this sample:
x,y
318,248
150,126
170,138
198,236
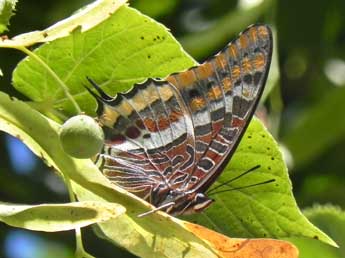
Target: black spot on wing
x,y
241,106
257,78
248,79
203,129
217,114
206,164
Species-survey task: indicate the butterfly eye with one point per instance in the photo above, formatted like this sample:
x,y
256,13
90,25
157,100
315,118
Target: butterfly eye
x,y
201,202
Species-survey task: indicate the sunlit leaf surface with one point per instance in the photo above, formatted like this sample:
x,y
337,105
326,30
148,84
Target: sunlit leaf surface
x,y
58,217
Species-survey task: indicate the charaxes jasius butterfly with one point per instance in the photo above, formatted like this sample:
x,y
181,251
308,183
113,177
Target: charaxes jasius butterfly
x,y
167,141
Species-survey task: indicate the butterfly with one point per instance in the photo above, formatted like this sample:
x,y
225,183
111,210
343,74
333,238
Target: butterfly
x,y
167,141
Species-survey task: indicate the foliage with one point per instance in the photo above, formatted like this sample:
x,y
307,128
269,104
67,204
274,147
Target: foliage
x,y
122,47
7,8
331,219
56,217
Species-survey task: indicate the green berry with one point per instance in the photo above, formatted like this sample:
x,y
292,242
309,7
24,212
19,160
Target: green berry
x,y
81,137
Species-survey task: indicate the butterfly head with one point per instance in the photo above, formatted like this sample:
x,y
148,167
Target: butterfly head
x,y
186,203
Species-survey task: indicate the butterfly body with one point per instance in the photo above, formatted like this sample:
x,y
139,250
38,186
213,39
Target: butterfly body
x,y
167,141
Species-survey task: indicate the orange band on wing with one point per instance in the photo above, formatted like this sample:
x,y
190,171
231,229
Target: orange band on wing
x,y
263,32
253,35
259,61
244,41
246,65
214,93
233,52
186,78
227,84
197,103
235,73
221,61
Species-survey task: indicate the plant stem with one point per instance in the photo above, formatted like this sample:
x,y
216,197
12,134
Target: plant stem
x,y
53,74
80,251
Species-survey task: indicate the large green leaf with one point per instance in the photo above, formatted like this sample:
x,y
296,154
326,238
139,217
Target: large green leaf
x,y
58,217
125,49
268,210
331,219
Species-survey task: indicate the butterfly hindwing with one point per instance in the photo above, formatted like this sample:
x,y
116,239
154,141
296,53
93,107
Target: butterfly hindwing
x,y
148,136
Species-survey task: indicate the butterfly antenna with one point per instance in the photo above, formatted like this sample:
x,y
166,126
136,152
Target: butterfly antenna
x,y
233,179
169,204
102,94
243,187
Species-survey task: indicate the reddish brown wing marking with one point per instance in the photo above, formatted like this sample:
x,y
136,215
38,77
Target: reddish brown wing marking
x,y
179,134
148,137
227,89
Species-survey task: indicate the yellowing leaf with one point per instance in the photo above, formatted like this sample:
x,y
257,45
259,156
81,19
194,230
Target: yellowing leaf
x,y
244,248
58,217
84,19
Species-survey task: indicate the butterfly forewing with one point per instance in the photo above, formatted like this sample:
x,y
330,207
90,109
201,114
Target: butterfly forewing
x,y
222,95
179,134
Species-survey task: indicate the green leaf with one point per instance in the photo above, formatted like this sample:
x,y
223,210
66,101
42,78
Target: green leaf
x,y
58,217
274,73
84,19
138,235
315,249
223,29
125,49
154,8
330,219
312,130
7,8
268,210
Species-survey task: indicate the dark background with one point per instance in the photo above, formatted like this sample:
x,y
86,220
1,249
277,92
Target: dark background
x,y
305,111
